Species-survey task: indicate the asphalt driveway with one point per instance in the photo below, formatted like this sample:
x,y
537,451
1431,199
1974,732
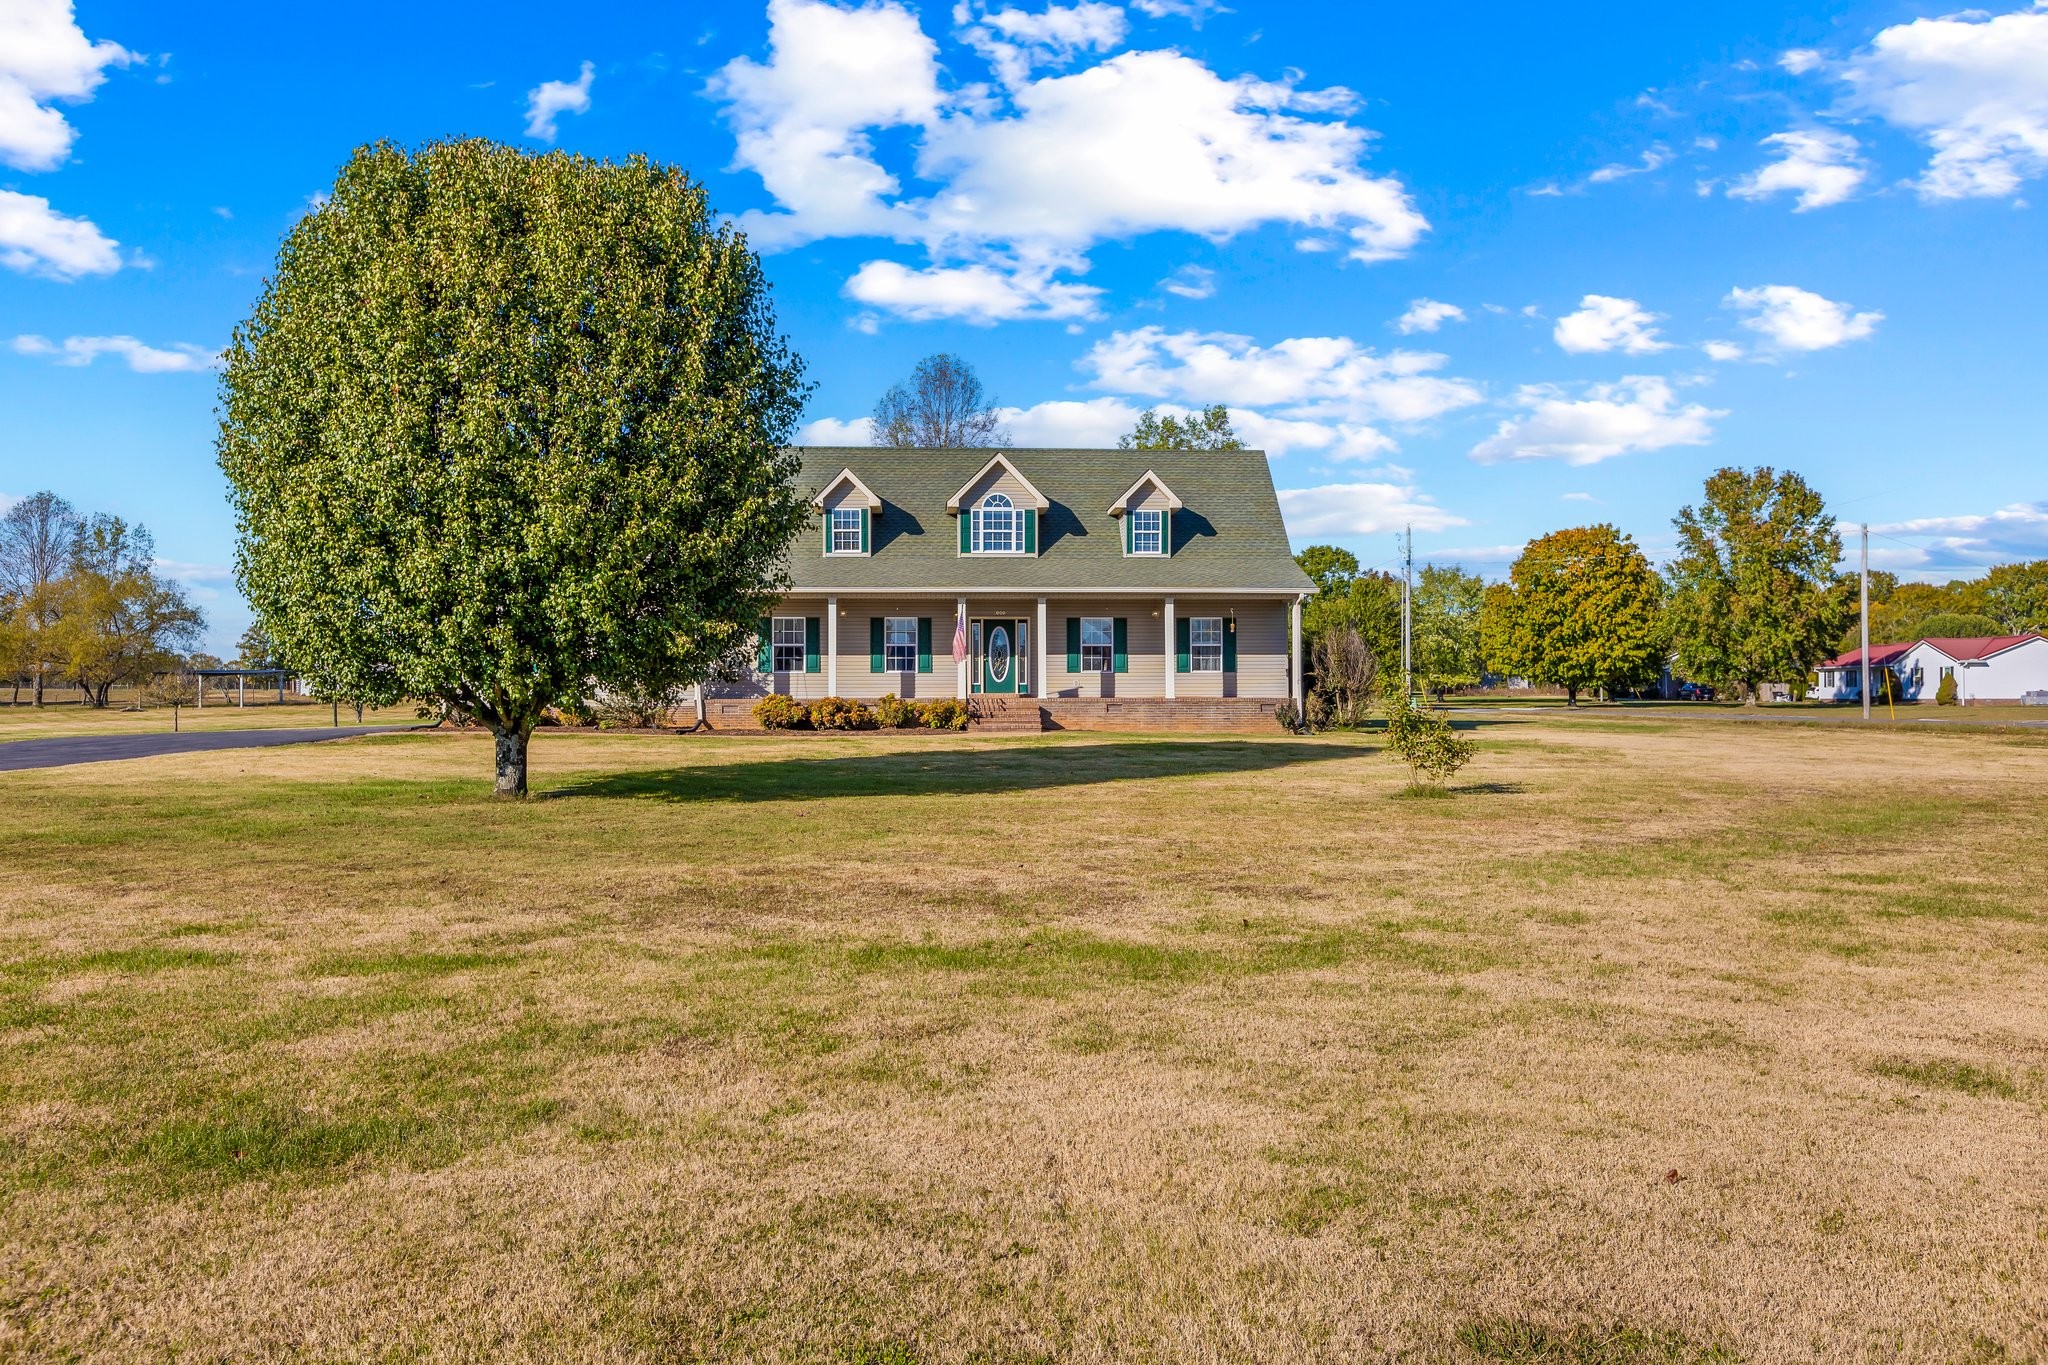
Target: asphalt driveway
x,y
62,752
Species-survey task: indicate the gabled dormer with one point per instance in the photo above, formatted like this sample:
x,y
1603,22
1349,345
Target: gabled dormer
x,y
847,509
1146,510
999,511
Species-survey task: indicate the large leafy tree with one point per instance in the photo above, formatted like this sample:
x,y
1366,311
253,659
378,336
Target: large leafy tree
x,y
118,620
1446,642
502,427
1368,602
1581,608
1208,429
1755,593
2016,595
942,406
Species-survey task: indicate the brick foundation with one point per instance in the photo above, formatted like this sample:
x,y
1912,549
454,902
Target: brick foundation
x,y
1209,715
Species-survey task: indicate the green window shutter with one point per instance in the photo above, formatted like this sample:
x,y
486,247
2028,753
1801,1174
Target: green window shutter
x,y
1073,644
1122,642
924,644
1031,530
1127,532
966,530
875,644
1166,532
812,662
765,629
866,514
825,525
1180,645
1230,644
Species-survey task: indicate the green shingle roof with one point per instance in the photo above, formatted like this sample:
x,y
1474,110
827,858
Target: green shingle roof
x,y
1227,537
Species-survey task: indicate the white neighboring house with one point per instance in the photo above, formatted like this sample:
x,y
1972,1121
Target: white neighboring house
x,y
1987,669
1841,678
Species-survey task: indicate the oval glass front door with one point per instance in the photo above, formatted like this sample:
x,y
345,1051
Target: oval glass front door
x,y
998,654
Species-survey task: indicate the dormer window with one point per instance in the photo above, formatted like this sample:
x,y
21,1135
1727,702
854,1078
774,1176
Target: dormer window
x,y
996,530
1147,509
1148,532
846,530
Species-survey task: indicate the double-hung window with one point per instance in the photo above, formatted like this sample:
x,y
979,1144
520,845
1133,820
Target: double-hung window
x,y
1148,532
1205,644
996,528
1098,644
899,644
789,644
846,530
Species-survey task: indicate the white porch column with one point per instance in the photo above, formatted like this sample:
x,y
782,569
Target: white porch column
x,y
1172,656
1044,684
959,669
1294,653
831,646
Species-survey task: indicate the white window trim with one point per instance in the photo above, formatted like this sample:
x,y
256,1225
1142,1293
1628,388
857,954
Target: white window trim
x,y
833,524
1197,647
776,644
1135,532
889,624
974,531
1108,646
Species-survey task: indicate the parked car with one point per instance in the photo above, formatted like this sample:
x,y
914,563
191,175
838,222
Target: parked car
x,y
1695,692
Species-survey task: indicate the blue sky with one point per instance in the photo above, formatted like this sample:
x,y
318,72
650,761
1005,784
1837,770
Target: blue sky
x,y
1490,270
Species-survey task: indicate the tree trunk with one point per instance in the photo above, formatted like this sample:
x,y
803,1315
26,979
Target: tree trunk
x,y
511,747
1571,694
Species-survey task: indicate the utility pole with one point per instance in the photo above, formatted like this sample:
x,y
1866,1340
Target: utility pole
x,y
1408,613
1865,613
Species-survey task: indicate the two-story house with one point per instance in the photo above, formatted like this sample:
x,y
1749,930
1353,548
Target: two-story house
x,y
1069,588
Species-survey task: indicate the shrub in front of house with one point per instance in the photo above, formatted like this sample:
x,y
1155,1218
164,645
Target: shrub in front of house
x,y
1945,695
841,713
894,713
1288,715
948,713
777,712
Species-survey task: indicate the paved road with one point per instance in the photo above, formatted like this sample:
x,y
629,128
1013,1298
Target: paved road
x,y
58,753
1850,716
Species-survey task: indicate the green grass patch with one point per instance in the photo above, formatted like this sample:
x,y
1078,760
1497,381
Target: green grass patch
x,y
403,963
1523,1341
1948,1073
151,960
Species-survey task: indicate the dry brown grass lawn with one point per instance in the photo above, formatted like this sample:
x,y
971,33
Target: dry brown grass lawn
x,y
1660,1041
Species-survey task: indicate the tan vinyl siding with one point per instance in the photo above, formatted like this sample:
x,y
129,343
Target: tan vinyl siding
x,y
845,495
854,678
998,480
1147,636
1146,498
1261,649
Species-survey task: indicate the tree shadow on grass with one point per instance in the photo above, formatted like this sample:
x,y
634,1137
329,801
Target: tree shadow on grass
x,y
978,770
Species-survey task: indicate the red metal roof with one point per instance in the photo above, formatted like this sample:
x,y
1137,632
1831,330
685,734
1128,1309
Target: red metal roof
x,y
1880,656
1969,649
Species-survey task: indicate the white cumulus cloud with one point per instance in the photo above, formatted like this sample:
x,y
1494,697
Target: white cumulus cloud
x,y
1037,168
1608,324
1426,315
1314,378
1973,86
182,357
551,99
44,58
1795,319
1820,166
979,294
1360,509
36,239
833,431
1656,158
1962,543
1639,413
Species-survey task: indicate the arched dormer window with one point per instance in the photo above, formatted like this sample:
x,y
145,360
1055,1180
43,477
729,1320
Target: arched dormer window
x,y
995,526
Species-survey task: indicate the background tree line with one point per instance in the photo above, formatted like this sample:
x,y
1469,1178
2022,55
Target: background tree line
x,y
82,605
1753,596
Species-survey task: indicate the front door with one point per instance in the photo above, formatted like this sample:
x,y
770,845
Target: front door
x,y
1001,656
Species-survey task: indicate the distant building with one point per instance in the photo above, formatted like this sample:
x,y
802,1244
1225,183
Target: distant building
x,y
1987,669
